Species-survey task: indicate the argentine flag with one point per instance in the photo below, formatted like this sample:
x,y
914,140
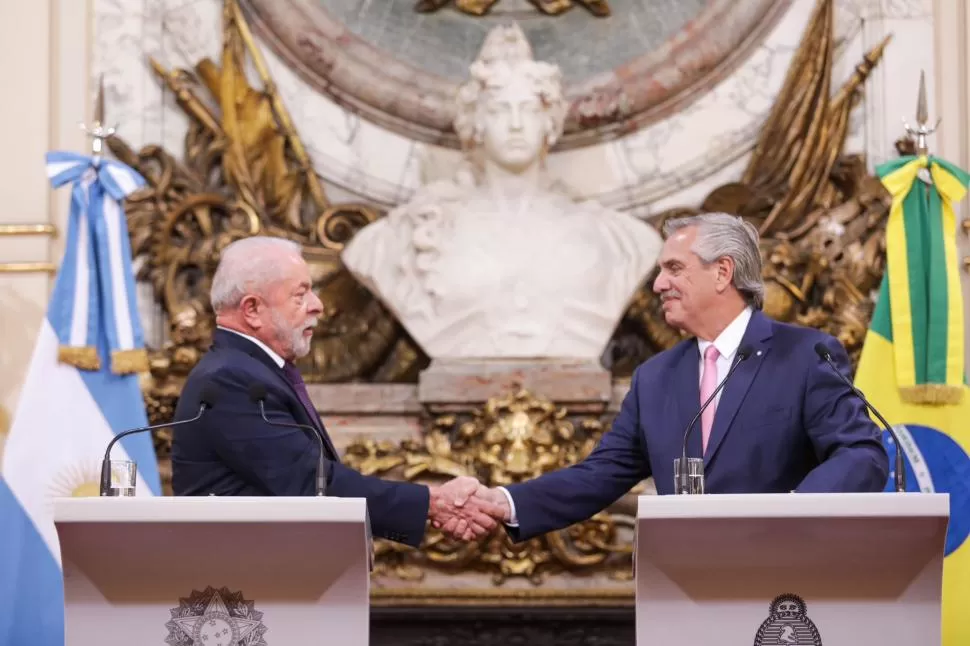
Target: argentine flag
x,y
81,389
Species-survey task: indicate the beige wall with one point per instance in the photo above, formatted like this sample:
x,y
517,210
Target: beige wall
x,y
44,62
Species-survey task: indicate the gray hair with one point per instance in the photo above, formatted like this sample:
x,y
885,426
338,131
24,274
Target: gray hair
x,y
720,235
248,265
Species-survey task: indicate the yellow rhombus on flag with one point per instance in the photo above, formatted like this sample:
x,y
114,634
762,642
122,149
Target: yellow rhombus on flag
x,y
912,364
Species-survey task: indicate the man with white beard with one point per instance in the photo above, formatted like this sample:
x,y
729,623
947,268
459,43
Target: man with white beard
x,y
265,312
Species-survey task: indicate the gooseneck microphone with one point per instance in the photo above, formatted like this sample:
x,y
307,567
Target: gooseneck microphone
x,y
743,353
257,394
900,475
207,401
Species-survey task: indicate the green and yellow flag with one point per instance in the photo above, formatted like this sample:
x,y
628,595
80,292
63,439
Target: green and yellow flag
x,y
912,364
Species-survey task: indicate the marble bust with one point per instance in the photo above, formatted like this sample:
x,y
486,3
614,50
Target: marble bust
x,y
499,262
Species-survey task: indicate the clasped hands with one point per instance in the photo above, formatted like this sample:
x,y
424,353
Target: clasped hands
x,y
465,509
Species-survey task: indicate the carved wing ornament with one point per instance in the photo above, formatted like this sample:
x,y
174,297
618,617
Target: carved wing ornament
x,y
246,172
820,214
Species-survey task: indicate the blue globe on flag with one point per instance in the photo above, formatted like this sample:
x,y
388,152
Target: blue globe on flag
x,y
947,469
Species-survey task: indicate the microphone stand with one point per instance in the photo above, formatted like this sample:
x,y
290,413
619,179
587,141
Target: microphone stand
x,y
743,354
899,477
321,476
105,485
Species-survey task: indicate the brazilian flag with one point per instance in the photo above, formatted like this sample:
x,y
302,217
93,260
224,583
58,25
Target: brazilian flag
x,y
912,364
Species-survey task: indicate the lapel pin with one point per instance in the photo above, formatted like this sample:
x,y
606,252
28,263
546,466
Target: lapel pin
x,y
758,353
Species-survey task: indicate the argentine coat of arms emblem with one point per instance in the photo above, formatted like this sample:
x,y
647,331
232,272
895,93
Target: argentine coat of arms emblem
x,y
788,624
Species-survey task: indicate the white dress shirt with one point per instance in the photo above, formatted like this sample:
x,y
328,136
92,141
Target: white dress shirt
x,y
275,357
727,344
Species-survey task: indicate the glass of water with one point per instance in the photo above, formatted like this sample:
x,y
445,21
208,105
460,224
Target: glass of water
x,y
695,476
124,474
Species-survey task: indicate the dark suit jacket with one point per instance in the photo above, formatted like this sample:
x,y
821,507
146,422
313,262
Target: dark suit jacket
x,y
784,422
231,451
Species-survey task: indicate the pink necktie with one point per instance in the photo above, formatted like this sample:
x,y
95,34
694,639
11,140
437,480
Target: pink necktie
x,y
708,384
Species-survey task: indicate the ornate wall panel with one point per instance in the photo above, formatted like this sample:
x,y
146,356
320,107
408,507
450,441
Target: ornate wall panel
x,y
698,125
820,213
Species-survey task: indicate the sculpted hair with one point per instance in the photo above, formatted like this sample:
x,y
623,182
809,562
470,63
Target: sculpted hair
x,y
505,54
246,266
720,235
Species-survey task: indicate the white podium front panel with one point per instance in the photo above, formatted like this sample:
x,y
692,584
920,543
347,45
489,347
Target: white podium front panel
x,y
790,569
206,571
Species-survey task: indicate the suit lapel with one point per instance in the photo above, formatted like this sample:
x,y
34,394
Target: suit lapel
x,y
758,336
225,338
686,383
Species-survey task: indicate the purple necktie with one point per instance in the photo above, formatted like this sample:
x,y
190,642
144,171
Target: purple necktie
x,y
292,374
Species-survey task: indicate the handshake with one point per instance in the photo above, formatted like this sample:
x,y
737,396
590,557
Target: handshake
x,y
467,510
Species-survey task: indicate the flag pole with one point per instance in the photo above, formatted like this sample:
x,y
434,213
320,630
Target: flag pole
x,y
98,132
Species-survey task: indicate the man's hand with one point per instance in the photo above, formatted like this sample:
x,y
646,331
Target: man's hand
x,y
458,509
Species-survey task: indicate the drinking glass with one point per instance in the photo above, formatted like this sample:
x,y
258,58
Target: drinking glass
x,y
124,474
695,476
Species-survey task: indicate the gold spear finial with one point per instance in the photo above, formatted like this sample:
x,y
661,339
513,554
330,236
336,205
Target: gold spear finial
x,y
98,131
922,130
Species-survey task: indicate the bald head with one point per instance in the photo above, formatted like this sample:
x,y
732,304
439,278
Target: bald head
x,y
262,288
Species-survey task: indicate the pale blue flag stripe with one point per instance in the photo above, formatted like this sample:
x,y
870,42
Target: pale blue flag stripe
x,y
66,416
99,265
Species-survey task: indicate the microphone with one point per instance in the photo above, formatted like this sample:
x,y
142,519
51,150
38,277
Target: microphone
x,y
743,353
900,477
209,395
257,394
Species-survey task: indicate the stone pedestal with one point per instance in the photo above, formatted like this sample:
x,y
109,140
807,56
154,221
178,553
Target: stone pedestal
x,y
460,384
394,412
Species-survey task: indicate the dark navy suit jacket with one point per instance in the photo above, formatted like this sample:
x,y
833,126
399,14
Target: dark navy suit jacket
x,y
231,451
784,422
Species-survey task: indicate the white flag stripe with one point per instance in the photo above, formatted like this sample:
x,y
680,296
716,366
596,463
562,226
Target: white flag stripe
x,y
56,168
124,179
82,286
119,290
49,438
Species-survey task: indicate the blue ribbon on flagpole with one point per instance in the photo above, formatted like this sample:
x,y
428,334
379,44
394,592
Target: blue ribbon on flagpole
x,y
94,292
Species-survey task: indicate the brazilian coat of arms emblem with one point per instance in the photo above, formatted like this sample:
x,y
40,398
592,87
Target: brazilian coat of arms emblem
x,y
215,618
788,624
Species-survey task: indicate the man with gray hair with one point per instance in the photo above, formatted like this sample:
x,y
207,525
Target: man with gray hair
x,y
783,422
266,312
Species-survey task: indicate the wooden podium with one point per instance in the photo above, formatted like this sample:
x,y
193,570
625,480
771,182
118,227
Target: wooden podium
x,y
215,571
790,569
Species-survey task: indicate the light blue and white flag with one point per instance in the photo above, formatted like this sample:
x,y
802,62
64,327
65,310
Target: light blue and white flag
x,y
81,389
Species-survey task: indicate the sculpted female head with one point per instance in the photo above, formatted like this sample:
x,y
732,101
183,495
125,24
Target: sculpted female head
x,y
512,108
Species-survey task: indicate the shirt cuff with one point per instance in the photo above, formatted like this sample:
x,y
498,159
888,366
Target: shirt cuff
x,y
513,519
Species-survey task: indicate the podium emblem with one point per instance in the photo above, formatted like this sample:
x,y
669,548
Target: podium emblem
x,y
215,618
788,624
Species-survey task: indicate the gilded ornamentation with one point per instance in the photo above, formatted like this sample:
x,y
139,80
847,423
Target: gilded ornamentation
x,y
512,439
244,171
598,8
